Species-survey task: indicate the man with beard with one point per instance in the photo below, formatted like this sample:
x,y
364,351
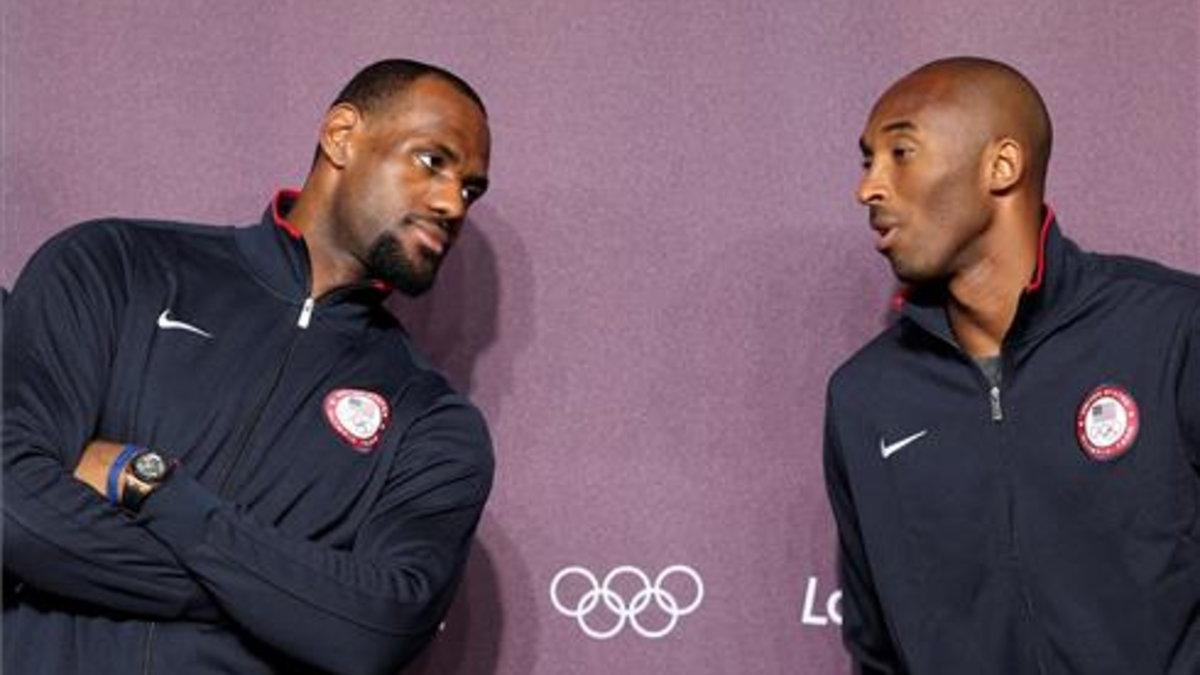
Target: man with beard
x,y
1012,464
221,453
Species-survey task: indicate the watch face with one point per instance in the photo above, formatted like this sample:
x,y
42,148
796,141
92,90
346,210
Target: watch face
x,y
149,467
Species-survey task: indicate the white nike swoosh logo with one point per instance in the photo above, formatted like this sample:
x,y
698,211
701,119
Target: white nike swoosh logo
x,y
888,449
167,323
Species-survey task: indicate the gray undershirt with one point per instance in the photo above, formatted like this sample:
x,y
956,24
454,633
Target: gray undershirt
x,y
990,365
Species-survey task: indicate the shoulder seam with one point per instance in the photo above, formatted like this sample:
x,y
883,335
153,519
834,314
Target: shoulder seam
x,y
1140,269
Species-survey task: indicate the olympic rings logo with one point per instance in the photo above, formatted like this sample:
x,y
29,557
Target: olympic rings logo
x,y
616,604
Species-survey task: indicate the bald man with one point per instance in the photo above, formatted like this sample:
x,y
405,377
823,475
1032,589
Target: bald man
x,y
1013,463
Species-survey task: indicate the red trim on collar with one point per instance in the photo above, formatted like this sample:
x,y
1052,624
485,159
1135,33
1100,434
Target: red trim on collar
x,y
286,194
290,195
1040,274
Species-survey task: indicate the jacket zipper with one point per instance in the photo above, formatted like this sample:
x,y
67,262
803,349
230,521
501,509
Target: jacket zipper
x,y
993,389
306,312
997,416
149,641
251,423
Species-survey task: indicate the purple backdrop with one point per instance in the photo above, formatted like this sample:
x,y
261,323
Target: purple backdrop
x,y
670,263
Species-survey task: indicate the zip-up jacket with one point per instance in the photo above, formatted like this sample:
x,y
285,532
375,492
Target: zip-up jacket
x,y
981,530
328,481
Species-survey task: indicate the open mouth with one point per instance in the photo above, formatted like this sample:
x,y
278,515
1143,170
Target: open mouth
x,y
885,225
887,236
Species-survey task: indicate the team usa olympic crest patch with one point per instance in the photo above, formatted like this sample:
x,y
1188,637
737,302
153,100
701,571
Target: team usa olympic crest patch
x,y
1107,423
358,416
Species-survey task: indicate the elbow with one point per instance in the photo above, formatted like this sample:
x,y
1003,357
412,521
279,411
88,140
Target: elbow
x,y
381,655
393,644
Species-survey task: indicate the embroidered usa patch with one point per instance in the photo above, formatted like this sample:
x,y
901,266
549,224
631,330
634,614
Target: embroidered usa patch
x,y
358,416
1107,422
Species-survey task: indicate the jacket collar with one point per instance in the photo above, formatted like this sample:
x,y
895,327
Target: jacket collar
x,y
1045,301
276,253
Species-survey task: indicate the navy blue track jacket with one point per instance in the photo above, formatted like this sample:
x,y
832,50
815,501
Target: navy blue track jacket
x,y
289,540
978,533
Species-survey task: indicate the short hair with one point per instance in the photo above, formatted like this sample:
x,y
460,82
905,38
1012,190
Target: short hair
x,y
379,82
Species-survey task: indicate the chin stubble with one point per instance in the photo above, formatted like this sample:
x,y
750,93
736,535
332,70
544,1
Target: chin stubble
x,y
388,262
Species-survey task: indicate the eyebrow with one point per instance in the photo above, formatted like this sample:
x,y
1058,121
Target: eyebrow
x,y
900,125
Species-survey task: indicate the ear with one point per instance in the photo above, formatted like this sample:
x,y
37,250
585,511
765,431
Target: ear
x,y
337,131
1007,165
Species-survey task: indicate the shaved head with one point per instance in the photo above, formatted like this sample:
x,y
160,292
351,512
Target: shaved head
x,y
999,101
955,155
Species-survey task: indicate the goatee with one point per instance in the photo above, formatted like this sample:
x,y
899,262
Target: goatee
x,y
388,262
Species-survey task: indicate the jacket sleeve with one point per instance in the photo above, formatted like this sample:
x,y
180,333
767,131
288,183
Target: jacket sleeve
x,y
60,333
364,610
864,630
1188,388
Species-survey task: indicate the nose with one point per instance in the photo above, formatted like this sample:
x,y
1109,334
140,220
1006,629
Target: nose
x,y
871,188
446,199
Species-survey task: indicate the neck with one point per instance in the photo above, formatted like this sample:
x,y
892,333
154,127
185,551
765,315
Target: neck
x,y
331,266
985,294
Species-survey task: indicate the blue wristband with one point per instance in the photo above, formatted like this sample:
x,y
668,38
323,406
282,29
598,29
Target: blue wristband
x,y
114,471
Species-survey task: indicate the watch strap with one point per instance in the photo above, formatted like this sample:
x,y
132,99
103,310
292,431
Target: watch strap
x,y
112,486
